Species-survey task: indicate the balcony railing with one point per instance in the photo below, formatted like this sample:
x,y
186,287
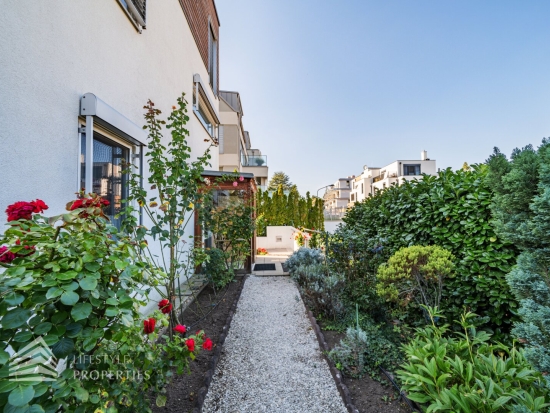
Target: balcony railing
x,y
254,160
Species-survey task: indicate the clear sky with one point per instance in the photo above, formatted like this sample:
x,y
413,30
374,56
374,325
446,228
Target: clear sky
x,y
329,86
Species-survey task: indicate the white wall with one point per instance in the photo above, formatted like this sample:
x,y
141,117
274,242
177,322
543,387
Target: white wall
x,y
52,52
285,233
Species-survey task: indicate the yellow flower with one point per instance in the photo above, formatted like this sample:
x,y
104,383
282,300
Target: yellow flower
x,y
153,204
191,205
140,203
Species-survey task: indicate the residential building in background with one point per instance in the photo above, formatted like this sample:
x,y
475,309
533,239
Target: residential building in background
x,y
378,179
235,147
337,198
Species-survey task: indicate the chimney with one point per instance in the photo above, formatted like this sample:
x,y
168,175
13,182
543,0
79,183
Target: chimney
x,y
424,155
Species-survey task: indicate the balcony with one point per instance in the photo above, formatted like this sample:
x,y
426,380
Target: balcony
x,y
254,160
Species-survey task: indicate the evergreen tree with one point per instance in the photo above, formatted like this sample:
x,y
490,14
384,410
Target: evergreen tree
x,y
522,214
279,178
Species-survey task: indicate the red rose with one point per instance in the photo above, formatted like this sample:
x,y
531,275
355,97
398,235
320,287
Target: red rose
x,y
6,256
207,345
20,210
180,329
76,204
165,306
190,343
149,326
39,206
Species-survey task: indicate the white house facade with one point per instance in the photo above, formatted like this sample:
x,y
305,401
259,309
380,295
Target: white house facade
x,y
74,78
374,179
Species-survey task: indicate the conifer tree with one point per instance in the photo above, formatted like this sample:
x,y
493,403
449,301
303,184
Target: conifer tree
x,y
521,207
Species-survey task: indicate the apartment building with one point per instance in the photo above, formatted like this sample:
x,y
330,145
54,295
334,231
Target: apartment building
x,y
374,179
337,197
235,147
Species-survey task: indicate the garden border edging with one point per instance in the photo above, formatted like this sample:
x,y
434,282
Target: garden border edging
x,y
201,393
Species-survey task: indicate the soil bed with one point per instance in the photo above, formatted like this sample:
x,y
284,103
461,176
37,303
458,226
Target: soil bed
x,y
368,395
182,391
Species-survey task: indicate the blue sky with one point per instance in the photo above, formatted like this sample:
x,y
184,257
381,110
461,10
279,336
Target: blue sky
x,y
329,86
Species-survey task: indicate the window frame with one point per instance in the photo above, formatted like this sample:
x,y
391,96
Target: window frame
x,y
212,58
414,165
130,9
203,109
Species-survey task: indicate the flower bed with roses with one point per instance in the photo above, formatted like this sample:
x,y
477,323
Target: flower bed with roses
x,y
77,282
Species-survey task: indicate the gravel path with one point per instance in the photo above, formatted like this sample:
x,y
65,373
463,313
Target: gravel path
x,y
271,360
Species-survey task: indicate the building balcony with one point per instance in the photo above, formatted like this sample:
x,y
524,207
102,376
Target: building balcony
x,y
254,160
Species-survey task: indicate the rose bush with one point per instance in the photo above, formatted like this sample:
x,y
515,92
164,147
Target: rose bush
x,y
78,283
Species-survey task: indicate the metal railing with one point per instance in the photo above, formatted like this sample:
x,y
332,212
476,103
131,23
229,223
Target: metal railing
x,y
254,160
335,213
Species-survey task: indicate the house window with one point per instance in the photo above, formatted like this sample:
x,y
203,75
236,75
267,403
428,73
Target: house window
x,y
362,189
204,110
352,197
212,59
108,180
136,12
410,170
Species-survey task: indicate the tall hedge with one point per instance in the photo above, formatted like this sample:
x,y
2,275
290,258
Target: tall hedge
x,y
451,210
277,208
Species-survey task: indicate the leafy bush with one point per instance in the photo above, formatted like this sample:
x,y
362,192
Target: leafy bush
x,y
521,208
363,350
304,256
464,373
76,282
451,210
320,289
216,268
357,258
415,274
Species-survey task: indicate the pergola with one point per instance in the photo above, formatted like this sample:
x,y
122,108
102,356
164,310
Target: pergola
x,y
248,190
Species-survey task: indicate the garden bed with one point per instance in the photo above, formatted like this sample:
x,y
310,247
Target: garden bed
x,y
186,392
367,395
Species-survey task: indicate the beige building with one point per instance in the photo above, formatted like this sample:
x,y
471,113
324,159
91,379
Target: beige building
x,y
337,198
235,148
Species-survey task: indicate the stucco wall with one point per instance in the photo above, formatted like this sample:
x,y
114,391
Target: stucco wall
x,y
285,233
52,53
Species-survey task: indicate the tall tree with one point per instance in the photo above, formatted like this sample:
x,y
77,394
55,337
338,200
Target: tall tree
x,y
521,208
279,178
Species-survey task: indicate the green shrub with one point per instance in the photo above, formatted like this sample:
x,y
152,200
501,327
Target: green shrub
x,y
414,275
321,290
462,372
77,283
304,256
364,349
450,210
216,268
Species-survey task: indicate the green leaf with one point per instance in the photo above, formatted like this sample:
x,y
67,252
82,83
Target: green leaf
x,y
89,343
59,317
81,394
69,298
69,275
14,298
7,385
161,400
81,311
22,336
54,292
15,318
111,311
63,348
88,283
21,395
4,357
36,408
74,329
42,328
